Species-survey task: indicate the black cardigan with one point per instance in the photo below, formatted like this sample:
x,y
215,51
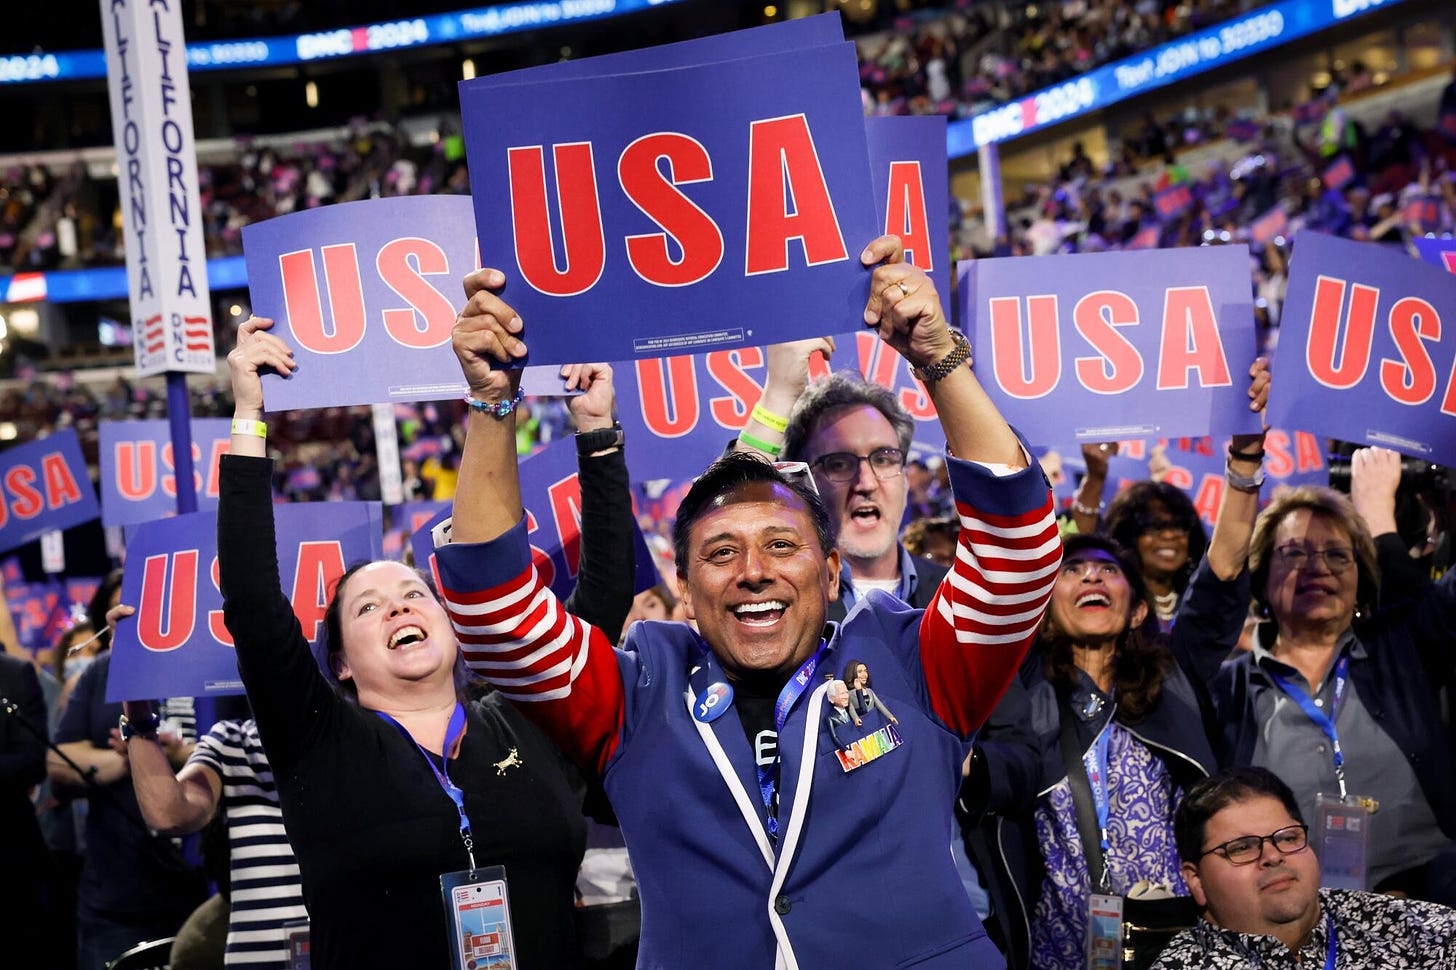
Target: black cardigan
x,y
370,826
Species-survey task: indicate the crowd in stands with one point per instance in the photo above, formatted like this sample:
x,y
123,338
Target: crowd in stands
x,y
70,220
979,55
1389,185
1158,676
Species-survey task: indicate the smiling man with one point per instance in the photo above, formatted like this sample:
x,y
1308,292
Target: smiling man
x,y
1248,863
855,438
739,807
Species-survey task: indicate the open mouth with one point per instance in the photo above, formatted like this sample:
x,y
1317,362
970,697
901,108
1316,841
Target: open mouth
x,y
866,516
766,613
1093,601
406,636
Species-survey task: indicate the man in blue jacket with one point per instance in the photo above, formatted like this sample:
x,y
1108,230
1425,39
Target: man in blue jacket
x,y
738,807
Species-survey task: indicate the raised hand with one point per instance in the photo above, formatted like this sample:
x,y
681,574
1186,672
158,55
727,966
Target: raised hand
x,y
788,366
486,338
255,351
904,306
593,408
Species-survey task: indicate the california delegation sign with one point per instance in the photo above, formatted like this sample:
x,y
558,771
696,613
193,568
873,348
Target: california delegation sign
x,y
151,117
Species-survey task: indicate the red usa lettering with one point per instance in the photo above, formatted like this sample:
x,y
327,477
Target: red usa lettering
x,y
788,208
424,321
1342,325
1027,354
24,494
139,473
674,398
167,614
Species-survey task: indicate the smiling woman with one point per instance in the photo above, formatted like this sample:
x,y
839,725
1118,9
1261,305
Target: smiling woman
x,y
1158,521
1339,697
1120,724
387,780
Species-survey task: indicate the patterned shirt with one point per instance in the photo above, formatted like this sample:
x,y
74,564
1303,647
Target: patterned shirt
x,y
266,890
1141,799
1371,930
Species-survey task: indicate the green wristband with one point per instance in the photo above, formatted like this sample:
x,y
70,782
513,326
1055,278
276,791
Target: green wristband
x,y
758,445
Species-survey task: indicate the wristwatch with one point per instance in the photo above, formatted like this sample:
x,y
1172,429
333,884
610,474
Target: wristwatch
x,y
589,443
145,728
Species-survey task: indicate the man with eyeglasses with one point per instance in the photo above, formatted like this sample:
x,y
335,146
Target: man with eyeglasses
x,y
1249,865
855,438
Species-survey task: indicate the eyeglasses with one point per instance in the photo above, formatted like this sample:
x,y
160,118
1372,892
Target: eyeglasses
x,y
1248,848
1336,558
797,470
843,466
1159,523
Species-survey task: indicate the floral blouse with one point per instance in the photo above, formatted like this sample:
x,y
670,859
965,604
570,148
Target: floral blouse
x,y
1142,798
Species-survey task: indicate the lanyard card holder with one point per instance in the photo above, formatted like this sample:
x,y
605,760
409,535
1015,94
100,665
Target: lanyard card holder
x,y
1341,833
1104,932
478,918
295,932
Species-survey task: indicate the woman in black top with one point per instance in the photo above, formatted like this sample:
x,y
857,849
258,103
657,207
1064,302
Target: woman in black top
x,y
371,824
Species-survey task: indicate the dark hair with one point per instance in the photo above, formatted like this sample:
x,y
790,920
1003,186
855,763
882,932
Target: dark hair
x,y
842,389
733,471
1209,796
1142,659
917,532
333,642
853,665
100,603
1132,503
663,593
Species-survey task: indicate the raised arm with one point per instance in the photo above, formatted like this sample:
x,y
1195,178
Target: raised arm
x,y
1228,547
905,309
175,804
1212,614
985,614
290,698
1087,503
560,670
608,566
488,494
1374,480
786,378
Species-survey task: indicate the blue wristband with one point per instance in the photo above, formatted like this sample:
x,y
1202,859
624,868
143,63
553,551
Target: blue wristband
x,y
498,410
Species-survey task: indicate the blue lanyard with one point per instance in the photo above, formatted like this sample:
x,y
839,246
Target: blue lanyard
x,y
452,734
1325,722
768,774
1094,761
1330,953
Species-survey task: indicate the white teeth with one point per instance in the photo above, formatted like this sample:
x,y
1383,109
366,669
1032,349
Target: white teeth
x,y
760,607
1093,599
410,633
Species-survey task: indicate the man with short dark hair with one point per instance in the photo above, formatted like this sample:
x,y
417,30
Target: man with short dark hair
x,y
764,842
1248,863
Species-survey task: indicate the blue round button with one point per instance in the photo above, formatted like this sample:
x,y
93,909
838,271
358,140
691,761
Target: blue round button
x,y
712,702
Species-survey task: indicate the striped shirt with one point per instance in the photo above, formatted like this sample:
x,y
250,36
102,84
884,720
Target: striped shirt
x,y
976,630
266,891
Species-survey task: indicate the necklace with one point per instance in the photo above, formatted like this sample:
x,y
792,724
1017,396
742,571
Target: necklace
x,y
1165,604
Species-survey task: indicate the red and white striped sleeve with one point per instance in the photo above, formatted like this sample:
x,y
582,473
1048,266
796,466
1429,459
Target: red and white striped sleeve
x,y
515,633
985,614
